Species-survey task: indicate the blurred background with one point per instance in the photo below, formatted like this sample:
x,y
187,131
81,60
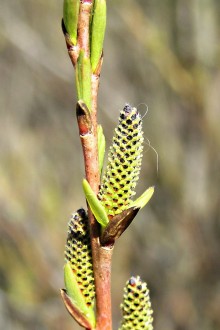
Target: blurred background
x,y
163,56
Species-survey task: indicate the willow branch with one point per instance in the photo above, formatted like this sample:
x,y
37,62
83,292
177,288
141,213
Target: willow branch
x,y
101,256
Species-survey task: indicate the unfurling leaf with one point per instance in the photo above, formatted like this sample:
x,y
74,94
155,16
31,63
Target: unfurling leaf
x,y
97,32
141,201
97,208
70,18
79,308
83,79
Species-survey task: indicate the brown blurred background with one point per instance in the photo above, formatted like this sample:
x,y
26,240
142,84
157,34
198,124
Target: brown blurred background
x,y
164,55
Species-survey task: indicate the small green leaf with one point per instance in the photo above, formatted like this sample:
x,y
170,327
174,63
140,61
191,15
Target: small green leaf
x,y
97,209
76,296
83,79
98,32
101,147
72,287
141,201
70,18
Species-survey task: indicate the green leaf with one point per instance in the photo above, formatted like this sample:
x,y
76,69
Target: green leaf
x,y
141,201
76,296
83,79
98,32
101,147
97,209
70,18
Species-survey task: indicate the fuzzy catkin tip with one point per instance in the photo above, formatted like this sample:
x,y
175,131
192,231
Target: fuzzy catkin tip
x,y
124,163
136,306
78,253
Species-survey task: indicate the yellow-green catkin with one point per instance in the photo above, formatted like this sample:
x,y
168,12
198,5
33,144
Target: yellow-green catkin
x,y
124,163
136,306
78,253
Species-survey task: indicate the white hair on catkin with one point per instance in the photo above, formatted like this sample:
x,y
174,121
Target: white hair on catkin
x,y
146,140
146,106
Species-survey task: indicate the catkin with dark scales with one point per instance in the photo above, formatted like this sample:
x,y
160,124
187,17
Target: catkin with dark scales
x,y
124,163
136,306
78,253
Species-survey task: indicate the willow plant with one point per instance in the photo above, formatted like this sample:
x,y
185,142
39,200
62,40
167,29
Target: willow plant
x,y
109,192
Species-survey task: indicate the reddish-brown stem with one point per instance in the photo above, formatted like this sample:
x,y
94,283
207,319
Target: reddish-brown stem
x,y
83,26
89,141
102,271
101,256
87,123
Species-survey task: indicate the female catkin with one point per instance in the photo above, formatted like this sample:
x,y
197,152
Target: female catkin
x,y
136,306
78,254
124,163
